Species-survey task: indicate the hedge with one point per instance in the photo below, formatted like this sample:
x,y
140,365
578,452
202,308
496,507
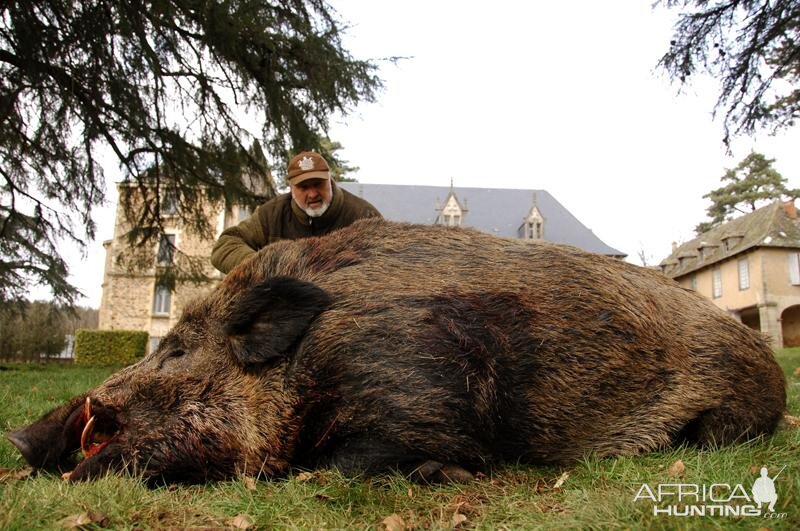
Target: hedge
x,y
109,347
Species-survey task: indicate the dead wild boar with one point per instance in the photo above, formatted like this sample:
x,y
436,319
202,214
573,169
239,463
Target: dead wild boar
x,y
423,349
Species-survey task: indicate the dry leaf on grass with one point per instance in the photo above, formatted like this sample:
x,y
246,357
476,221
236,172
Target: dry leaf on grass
x,y
458,519
561,481
797,372
410,492
241,521
305,476
792,422
677,469
79,521
249,483
14,474
393,523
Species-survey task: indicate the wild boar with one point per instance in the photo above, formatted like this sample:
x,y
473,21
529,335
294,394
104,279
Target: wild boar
x,y
423,349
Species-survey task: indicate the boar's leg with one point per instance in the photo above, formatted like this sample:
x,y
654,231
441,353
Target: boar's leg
x,y
727,425
370,456
753,406
436,472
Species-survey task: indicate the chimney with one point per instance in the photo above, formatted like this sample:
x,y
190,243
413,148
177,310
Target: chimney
x,y
790,209
674,246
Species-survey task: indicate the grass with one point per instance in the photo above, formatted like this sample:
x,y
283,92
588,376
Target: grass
x,y
596,494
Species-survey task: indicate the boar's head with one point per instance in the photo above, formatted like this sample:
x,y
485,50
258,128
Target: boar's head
x,y
210,403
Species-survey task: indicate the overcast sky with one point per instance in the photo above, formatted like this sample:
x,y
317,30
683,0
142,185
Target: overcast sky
x,y
559,96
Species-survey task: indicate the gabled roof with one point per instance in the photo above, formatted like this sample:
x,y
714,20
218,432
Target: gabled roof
x,y
769,226
497,211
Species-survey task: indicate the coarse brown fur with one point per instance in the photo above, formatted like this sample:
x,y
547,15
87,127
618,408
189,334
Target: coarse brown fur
x,y
389,346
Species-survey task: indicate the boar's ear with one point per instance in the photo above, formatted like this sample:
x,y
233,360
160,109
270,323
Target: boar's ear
x,y
272,316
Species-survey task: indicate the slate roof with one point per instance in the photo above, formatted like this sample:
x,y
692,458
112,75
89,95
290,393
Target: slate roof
x,y
769,226
497,211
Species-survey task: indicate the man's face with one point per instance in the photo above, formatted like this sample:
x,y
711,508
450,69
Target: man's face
x,y
313,196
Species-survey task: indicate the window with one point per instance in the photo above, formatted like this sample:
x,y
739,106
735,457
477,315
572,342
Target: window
x,y
162,298
243,212
744,274
533,230
169,203
707,251
731,242
166,250
716,284
693,282
794,268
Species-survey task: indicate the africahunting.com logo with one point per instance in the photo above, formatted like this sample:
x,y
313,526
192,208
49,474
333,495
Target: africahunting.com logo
x,y
715,499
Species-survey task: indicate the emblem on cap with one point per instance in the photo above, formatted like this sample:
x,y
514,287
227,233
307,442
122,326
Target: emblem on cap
x,y
306,164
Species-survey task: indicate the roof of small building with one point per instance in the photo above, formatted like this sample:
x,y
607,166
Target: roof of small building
x,y
769,226
498,211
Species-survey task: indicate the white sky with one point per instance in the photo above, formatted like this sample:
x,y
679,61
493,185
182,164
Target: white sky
x,y
560,96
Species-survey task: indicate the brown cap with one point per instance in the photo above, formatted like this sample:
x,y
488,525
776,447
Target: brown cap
x,y
307,165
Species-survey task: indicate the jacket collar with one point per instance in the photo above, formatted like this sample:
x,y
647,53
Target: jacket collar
x,y
329,217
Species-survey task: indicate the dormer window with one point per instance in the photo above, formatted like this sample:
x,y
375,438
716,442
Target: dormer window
x,y
731,241
533,229
533,223
452,220
684,258
707,251
452,213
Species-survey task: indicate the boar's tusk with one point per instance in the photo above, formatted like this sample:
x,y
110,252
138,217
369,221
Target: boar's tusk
x,y
87,410
86,435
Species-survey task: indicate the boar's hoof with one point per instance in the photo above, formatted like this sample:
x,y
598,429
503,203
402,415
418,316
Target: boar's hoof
x,y
436,472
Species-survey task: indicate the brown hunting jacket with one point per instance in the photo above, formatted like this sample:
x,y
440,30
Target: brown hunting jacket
x,y
281,219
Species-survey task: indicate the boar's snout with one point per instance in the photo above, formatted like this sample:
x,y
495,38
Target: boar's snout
x,y
52,443
23,441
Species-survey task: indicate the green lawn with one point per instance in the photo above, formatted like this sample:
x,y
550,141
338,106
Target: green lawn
x,y
594,494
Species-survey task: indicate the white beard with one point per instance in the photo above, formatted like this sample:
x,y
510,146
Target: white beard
x,y
317,212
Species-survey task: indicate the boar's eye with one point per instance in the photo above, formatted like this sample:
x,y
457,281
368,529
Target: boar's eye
x,y
169,354
174,353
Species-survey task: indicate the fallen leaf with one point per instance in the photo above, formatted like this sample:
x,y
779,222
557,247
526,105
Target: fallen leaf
x,y
14,474
98,518
677,469
241,521
791,421
393,523
458,519
755,469
797,372
305,476
410,492
561,481
249,483
75,521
